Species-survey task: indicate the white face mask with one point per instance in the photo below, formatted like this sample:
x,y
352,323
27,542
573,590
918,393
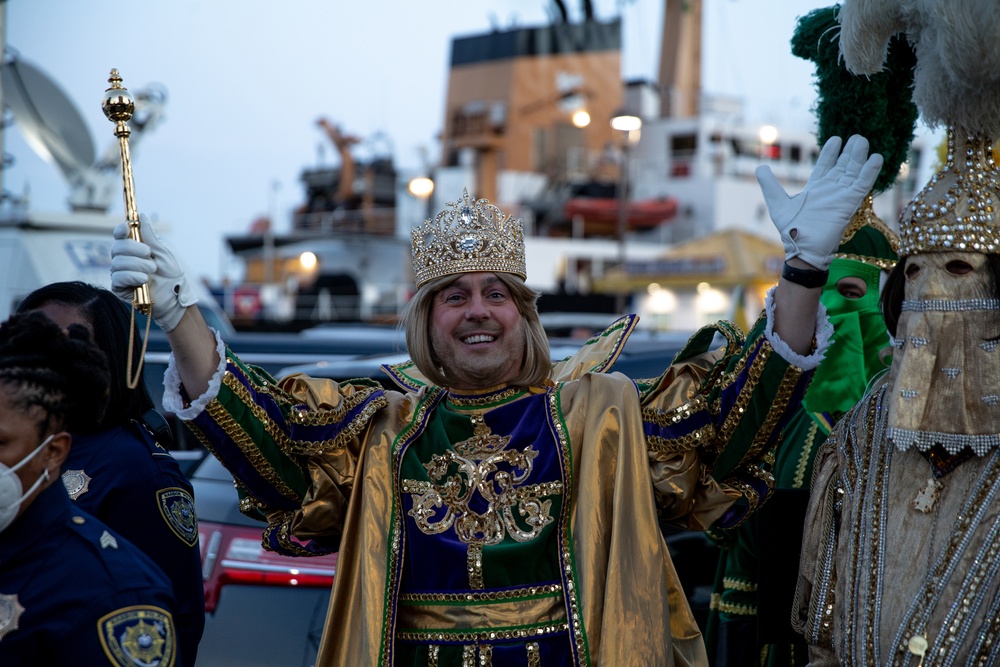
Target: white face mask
x,y
10,487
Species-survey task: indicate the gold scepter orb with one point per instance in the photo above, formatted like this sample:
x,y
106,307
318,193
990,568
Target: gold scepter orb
x,y
119,106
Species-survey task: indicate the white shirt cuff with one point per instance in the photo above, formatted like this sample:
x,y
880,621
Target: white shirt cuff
x,y
824,333
172,401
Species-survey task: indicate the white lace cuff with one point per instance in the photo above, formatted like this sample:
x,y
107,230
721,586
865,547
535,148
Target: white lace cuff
x,y
172,401
824,333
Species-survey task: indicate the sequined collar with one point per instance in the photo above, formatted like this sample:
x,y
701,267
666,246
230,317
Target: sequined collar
x,y
467,400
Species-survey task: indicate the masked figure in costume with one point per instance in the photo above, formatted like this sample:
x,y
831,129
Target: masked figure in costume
x,y
901,559
750,615
500,509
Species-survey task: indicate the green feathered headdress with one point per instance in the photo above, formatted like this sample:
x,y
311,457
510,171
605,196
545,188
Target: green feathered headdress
x,y
879,107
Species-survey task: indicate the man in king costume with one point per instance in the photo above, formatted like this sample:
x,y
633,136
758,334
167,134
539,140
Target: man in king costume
x,y
901,559
500,509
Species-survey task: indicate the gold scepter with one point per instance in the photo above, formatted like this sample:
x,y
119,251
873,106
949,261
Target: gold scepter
x,y
119,106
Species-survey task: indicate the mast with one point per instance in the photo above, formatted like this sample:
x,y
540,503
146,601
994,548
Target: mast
x,y
680,58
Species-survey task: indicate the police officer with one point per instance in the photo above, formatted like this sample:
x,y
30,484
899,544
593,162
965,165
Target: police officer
x,y
72,591
118,469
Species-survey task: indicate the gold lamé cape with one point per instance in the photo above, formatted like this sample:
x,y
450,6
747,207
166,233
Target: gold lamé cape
x,y
517,526
888,555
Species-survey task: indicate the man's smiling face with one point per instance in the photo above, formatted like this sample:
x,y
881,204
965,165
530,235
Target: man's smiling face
x,y
477,333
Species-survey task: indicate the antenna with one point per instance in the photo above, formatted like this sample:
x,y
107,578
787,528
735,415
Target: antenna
x,y
50,122
55,130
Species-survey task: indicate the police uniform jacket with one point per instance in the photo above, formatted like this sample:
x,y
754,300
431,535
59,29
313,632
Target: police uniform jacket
x,y
126,479
73,592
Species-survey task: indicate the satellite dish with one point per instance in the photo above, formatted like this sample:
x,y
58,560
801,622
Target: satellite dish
x,y
48,119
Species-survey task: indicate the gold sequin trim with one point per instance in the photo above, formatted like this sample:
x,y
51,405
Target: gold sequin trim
x,y
523,632
486,399
282,526
433,653
534,654
701,437
492,596
347,432
474,565
325,417
579,636
485,656
674,416
468,656
396,532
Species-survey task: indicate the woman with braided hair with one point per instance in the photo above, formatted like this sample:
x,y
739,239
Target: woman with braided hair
x,y
71,589
119,469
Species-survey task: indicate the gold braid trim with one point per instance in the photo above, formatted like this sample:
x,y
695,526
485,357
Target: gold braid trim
x,y
779,405
281,523
347,432
730,583
733,609
325,417
738,410
805,456
280,438
250,450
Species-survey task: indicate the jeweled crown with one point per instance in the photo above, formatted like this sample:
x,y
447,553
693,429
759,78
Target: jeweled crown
x,y
467,236
959,208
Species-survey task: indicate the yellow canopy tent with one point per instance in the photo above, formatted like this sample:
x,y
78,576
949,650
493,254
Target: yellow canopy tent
x,y
737,261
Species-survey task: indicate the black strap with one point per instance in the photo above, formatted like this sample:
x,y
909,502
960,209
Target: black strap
x,y
810,278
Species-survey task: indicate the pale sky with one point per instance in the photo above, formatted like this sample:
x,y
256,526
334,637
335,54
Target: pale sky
x,y
246,81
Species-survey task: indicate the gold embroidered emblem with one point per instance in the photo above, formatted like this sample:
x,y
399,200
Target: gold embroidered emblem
x,y
482,465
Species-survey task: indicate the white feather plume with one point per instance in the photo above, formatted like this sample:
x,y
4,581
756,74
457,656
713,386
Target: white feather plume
x,y
957,42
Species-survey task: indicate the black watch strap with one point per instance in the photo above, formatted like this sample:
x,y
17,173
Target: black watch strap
x,y
810,278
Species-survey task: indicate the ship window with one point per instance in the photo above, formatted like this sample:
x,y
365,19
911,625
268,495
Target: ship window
x,y
683,145
795,153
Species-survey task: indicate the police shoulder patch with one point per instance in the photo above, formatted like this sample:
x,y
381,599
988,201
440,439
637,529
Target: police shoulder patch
x,y
141,635
177,508
10,614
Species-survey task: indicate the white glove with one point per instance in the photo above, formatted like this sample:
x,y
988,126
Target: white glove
x,y
134,263
812,222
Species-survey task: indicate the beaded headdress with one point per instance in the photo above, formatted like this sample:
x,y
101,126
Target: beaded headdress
x,y
959,208
469,235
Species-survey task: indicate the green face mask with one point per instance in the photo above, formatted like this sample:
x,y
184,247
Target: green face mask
x,y
859,335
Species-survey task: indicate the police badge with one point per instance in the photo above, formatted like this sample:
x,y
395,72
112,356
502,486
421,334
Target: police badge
x,y
10,614
177,508
77,483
